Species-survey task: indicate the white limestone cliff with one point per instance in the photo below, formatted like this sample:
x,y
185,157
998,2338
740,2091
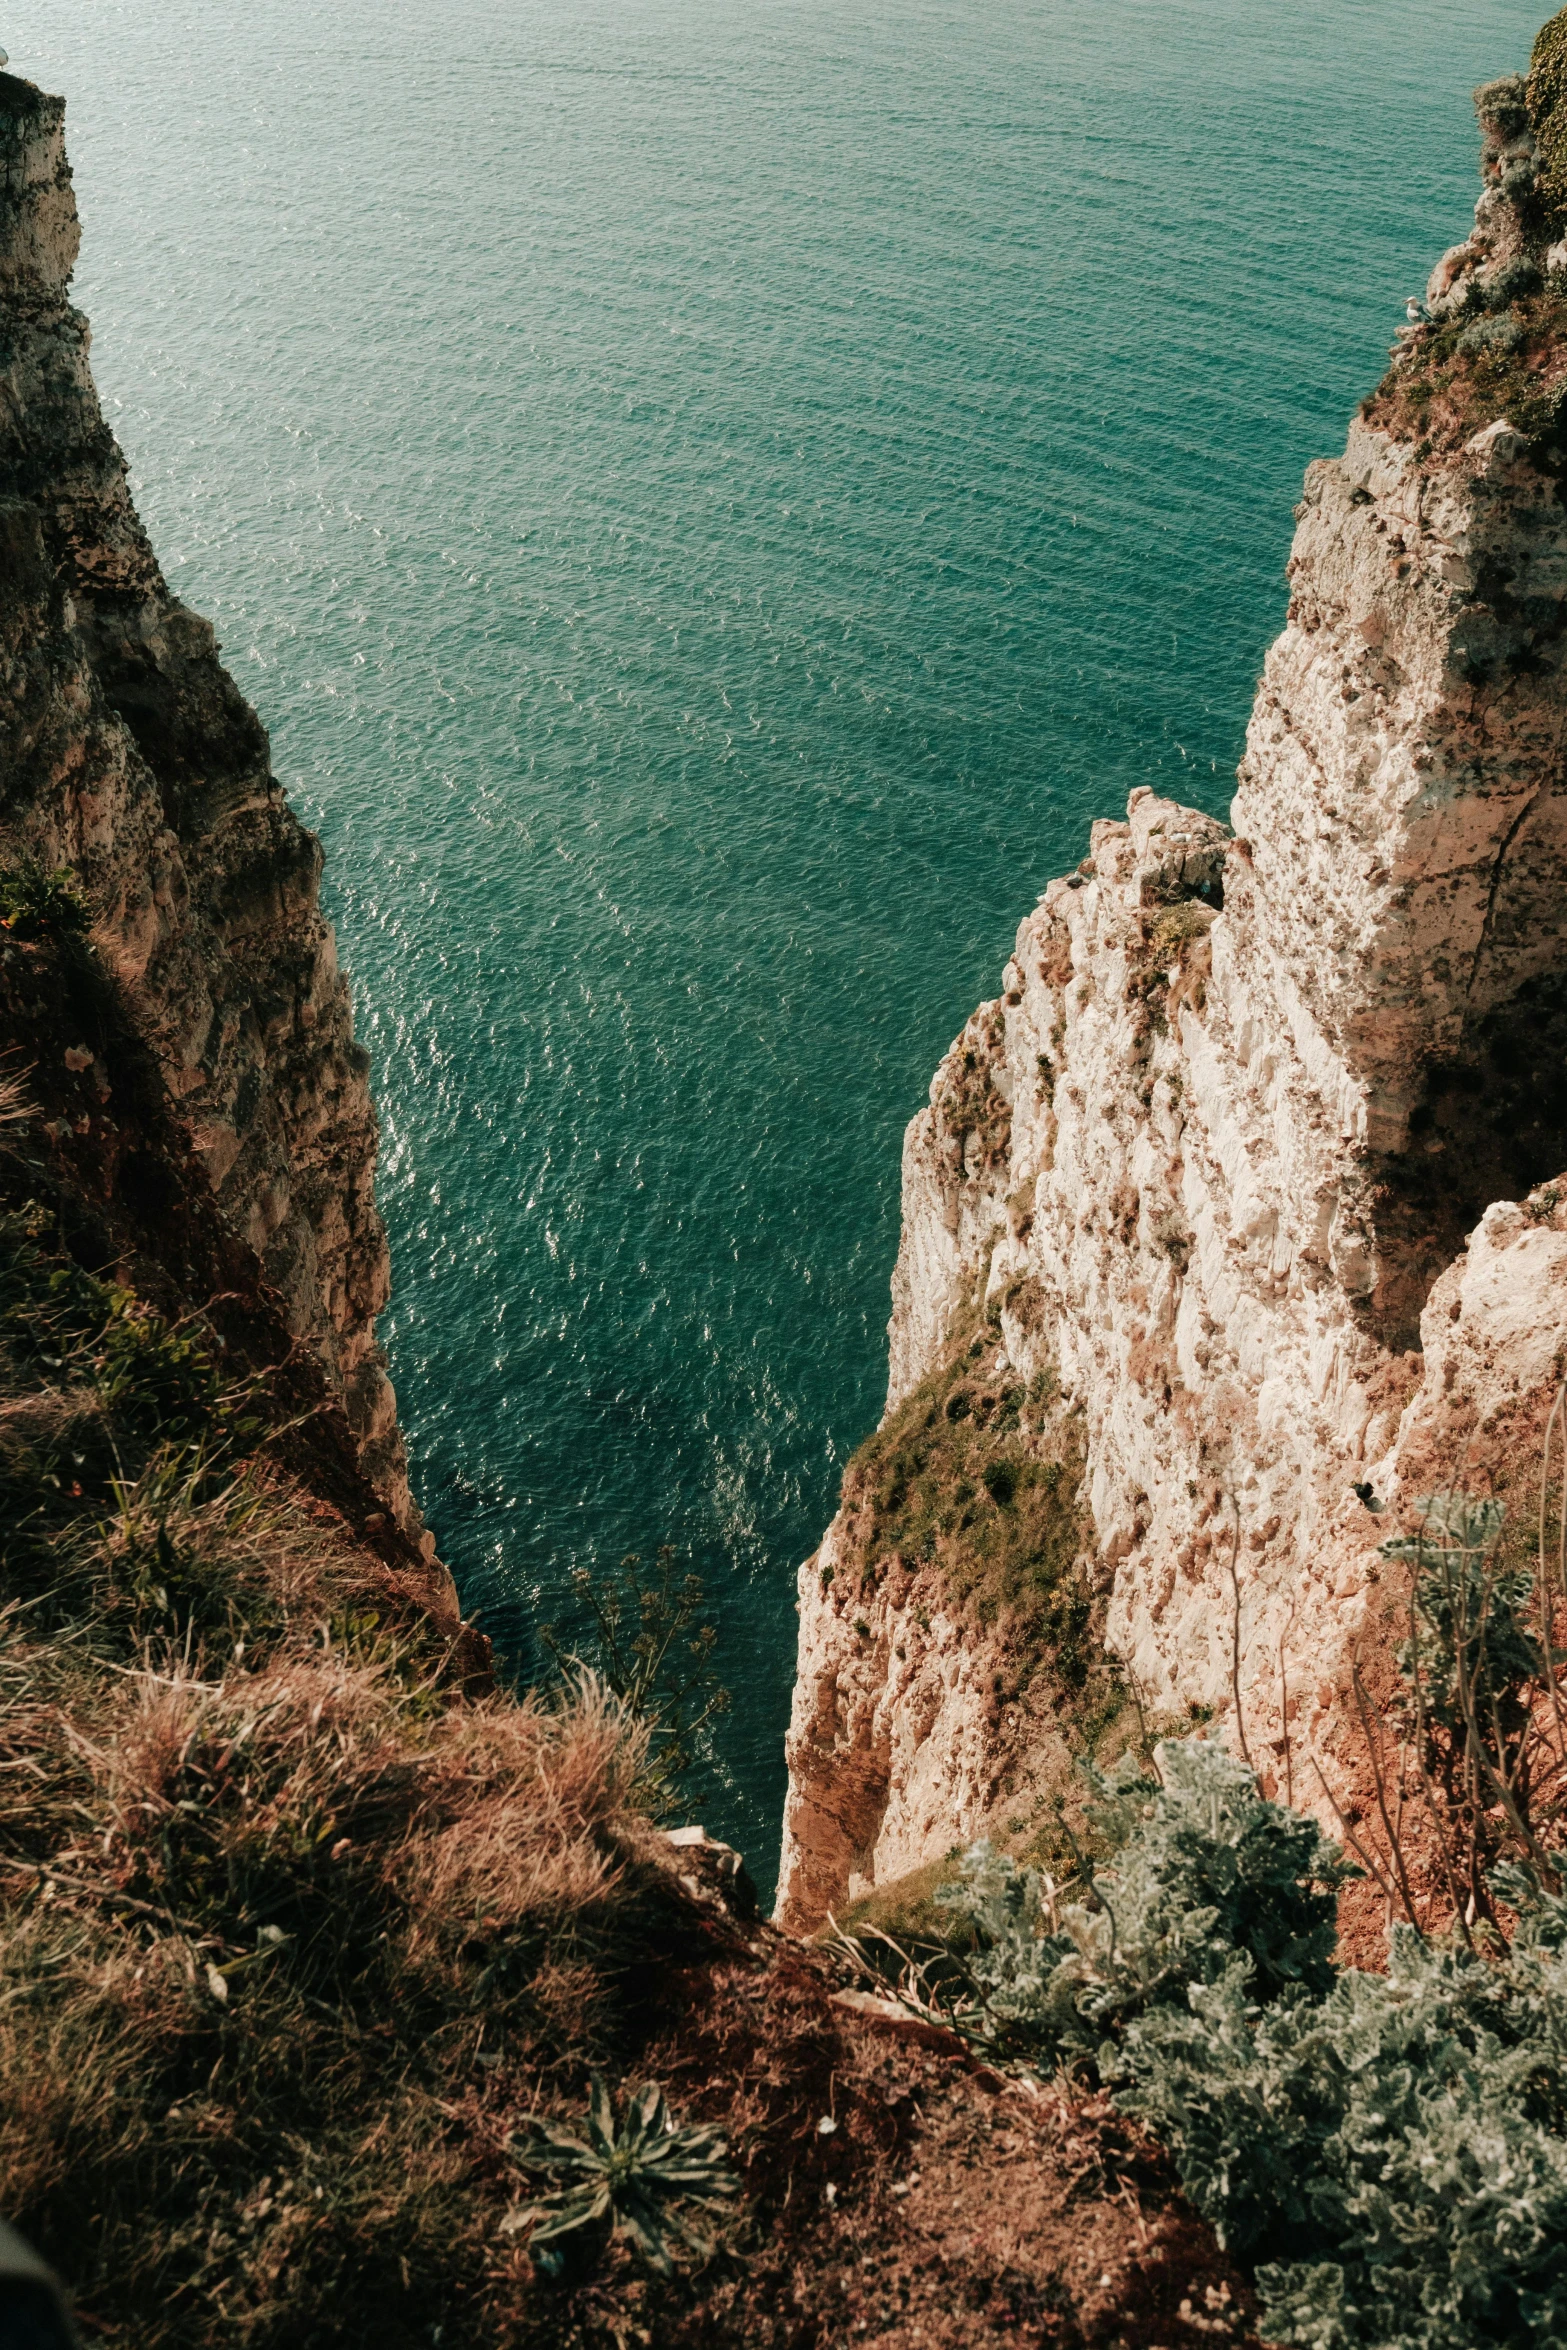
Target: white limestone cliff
x,y
1224,1153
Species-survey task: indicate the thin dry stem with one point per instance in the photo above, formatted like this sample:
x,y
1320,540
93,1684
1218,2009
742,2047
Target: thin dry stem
x,y
1235,1640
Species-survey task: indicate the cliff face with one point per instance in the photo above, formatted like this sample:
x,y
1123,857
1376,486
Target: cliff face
x,y
128,754
1212,1156
324,1939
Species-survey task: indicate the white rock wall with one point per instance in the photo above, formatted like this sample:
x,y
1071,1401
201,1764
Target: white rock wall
x,y
1205,1154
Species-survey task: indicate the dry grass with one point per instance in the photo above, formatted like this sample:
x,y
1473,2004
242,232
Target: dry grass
x,y
296,1934
293,1930
285,1919
296,1929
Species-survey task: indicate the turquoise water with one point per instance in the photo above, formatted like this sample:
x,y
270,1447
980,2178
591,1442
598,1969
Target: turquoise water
x,y
710,502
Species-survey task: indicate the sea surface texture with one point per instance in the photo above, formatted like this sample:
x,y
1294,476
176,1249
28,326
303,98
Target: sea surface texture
x,y
710,501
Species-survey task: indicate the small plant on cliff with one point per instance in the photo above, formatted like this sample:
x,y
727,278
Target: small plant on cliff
x,y
1177,928
651,1651
1503,108
1474,1668
1478,1736
36,904
625,2177
1000,1480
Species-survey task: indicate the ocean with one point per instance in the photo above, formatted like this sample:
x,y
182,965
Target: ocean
x,y
710,503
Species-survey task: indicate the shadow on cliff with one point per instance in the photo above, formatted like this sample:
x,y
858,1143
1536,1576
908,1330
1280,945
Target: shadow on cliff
x,y
1492,1125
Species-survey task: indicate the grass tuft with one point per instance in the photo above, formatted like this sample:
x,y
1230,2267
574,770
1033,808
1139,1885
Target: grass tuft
x,y
977,1473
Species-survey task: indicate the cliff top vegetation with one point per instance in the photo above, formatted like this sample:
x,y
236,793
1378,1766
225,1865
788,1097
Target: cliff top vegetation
x,y
970,1495
1495,343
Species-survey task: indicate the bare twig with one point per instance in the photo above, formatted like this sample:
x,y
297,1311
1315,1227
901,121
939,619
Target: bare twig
x,y
1144,1746
1422,1742
1547,1594
1235,1640
1373,1866
1374,1750
1284,1715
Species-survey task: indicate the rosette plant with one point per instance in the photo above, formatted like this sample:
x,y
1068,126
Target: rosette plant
x,y
621,2177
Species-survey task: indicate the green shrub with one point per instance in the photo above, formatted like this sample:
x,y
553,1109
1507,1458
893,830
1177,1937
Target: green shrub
x,y
35,904
1000,1481
1491,334
1179,926
1395,2155
1503,106
1205,1872
979,1477
1390,2150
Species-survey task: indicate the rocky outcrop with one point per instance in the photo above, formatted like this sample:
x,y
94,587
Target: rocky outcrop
x,y
901,1742
128,754
1223,1151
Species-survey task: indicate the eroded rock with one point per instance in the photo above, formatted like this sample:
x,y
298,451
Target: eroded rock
x,y
128,754
1224,1150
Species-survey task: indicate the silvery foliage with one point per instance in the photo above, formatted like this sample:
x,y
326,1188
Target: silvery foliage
x,y
1395,2154
1472,1625
1466,1520
1204,1868
1389,2150
1492,334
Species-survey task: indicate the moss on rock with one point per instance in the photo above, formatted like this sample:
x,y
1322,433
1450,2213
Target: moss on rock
x,y
1547,103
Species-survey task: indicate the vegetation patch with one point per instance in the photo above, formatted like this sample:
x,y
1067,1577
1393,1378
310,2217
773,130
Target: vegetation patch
x,y
1503,355
1388,2149
977,1115
974,1485
1546,99
309,1962
1172,965
279,1904
908,1908
36,904
977,1474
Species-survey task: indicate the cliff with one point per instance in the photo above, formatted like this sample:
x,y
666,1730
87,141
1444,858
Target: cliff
x,y
304,1925
1250,1161
129,756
